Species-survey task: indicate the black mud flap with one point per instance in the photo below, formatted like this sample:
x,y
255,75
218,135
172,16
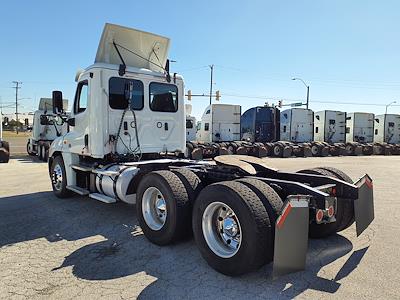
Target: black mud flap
x,y
291,236
287,152
364,205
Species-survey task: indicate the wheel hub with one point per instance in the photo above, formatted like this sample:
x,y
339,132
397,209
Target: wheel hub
x,y
57,177
221,229
154,208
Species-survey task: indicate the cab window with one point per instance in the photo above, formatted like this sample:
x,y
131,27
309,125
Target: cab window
x,y
119,89
81,97
163,97
189,124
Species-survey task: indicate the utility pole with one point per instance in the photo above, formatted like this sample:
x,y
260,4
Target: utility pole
x,y
16,87
211,81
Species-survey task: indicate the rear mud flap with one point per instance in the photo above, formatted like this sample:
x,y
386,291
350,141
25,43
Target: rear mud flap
x,y
287,152
364,205
291,236
358,150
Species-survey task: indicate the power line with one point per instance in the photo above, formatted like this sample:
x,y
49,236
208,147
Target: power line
x,y
297,100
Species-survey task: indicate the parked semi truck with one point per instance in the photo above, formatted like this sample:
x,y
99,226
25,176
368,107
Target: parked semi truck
x,y
220,123
330,130
260,124
4,146
191,124
125,143
46,127
359,133
387,134
218,133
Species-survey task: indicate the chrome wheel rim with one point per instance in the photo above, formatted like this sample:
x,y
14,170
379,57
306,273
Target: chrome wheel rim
x,y
154,208
221,229
277,150
314,150
57,177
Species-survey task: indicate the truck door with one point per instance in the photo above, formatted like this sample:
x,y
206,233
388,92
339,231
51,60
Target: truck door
x,y
77,139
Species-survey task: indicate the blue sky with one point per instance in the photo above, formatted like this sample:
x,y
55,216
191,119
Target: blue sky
x,y
347,51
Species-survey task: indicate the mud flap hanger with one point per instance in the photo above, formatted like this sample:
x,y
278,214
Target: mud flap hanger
x,y
291,228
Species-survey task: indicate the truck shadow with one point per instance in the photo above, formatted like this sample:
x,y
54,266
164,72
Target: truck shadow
x,y
27,159
177,269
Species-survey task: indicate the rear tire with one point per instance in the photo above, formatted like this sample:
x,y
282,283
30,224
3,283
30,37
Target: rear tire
x,y
163,207
270,199
324,229
251,237
348,206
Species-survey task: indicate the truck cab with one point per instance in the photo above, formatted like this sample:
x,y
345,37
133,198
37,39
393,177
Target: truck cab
x,y
125,104
46,127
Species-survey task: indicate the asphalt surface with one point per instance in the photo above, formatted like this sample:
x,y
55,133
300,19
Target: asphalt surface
x,y
17,143
79,248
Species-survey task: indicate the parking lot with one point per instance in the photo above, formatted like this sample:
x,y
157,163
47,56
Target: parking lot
x,y
83,249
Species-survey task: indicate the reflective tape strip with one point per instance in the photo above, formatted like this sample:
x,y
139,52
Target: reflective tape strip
x,y
284,215
369,183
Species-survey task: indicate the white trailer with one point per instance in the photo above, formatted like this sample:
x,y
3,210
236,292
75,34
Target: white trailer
x,y
126,141
47,126
330,126
220,123
387,129
4,146
297,125
191,124
360,127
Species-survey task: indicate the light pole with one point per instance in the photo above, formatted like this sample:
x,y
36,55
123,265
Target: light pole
x,y
211,81
308,89
387,105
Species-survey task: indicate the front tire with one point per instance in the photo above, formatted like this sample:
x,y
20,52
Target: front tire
x,y
231,228
58,178
28,149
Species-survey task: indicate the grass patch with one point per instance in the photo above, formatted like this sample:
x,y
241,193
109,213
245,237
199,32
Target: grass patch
x,y
7,134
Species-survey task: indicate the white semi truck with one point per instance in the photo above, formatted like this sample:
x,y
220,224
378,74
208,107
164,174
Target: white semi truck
x,y
359,133
387,129
220,123
330,126
46,127
125,143
387,134
191,124
4,146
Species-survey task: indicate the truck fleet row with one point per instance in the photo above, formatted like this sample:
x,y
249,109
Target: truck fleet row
x,y
125,141
265,131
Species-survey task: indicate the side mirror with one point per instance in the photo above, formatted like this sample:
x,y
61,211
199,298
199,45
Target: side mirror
x,y
71,122
57,101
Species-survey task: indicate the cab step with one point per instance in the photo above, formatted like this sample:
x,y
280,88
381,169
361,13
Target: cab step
x,y
102,198
81,168
78,190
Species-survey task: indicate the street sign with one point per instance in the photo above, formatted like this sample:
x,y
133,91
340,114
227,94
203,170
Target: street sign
x,y
296,104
